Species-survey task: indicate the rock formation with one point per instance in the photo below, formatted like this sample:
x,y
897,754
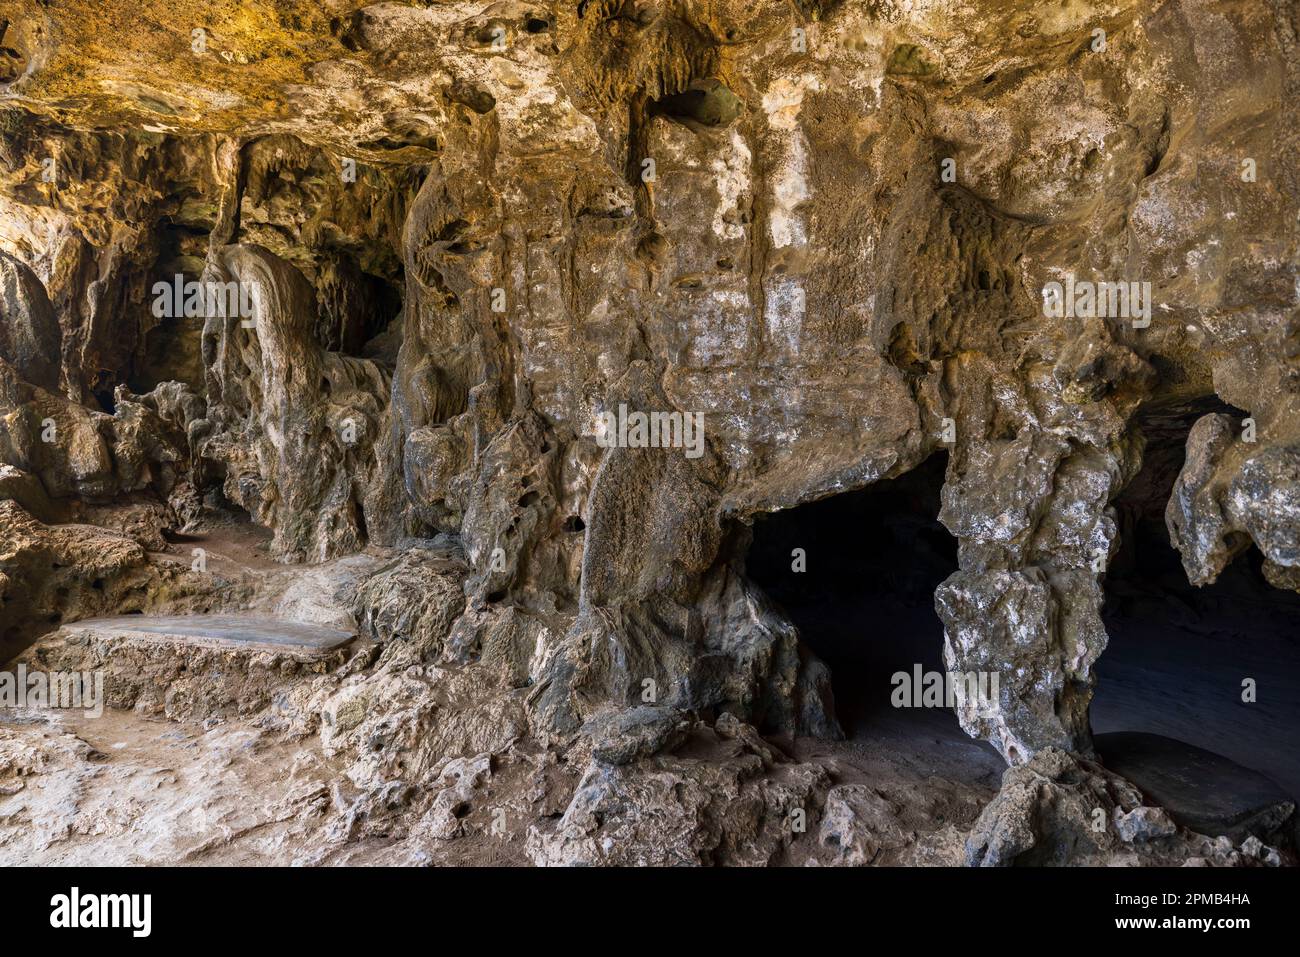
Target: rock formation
x,y
361,315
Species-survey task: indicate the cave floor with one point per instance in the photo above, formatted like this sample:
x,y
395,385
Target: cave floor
x,y
1202,790
933,775
129,789
1177,670
122,789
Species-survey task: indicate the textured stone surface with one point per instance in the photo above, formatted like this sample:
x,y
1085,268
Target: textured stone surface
x,y
1061,810
216,665
672,812
461,260
29,332
49,573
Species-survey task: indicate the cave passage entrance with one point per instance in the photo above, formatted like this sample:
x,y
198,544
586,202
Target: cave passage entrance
x,y
865,603
1178,654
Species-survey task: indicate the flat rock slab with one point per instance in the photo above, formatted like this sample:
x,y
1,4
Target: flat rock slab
x,y
1201,790
237,632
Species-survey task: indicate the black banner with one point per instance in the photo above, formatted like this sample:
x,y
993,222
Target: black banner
x,y
214,906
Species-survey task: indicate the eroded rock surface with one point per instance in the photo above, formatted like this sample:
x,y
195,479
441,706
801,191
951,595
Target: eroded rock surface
x,y
470,236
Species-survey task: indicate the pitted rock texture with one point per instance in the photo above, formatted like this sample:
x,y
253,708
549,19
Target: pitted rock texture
x,y
473,230
1061,810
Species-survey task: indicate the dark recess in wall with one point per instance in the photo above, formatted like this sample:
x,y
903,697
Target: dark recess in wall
x,y
865,605
1178,654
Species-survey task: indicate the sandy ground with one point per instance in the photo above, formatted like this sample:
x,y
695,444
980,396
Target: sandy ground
x,y
123,789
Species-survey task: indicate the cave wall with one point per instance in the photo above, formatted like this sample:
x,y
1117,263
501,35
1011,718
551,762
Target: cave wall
x,y
803,267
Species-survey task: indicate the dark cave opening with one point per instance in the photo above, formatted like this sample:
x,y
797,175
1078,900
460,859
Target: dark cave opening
x,y
706,102
104,390
171,349
865,602
1178,655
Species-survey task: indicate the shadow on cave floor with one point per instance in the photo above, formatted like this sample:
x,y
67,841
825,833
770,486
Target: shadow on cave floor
x,y
1178,654
865,606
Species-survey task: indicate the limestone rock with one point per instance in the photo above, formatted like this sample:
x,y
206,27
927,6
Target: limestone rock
x,y
1061,810
471,237
415,599
176,676
29,332
638,733
666,811
857,824
49,573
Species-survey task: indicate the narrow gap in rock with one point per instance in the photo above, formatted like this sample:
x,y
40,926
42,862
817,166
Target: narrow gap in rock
x,y
104,391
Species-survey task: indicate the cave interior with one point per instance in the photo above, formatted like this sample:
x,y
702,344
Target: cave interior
x,y
1177,654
